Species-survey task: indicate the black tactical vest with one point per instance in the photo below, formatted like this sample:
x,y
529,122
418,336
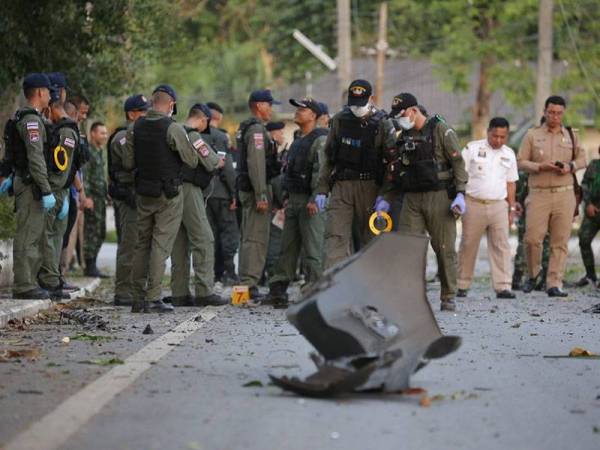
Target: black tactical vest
x,y
273,166
56,158
198,176
298,174
415,168
158,167
354,149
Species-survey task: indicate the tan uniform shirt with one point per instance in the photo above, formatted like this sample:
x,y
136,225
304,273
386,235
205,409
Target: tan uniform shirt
x,y
542,146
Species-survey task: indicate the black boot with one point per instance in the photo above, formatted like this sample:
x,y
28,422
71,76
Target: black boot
x,y
277,294
517,280
531,283
92,271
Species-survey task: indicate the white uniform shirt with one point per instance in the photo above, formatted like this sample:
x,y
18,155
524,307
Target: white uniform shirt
x,y
489,170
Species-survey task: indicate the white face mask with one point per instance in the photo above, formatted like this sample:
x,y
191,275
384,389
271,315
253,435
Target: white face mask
x,y
360,111
405,123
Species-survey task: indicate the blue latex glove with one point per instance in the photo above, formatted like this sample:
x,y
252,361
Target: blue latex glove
x,y
64,211
381,206
5,186
48,202
458,205
320,200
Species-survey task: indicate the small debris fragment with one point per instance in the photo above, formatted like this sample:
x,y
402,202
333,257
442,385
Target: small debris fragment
x,y
66,340
103,362
516,325
425,402
253,383
30,391
148,330
577,352
29,353
414,391
335,435
209,341
89,337
596,429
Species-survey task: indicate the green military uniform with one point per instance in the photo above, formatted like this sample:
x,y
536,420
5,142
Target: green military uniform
x,y
125,212
590,225
68,139
255,225
355,178
219,196
520,266
275,232
94,230
429,210
302,231
29,185
158,218
195,234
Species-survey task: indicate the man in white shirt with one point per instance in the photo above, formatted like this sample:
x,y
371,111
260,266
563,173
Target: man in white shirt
x,y
490,196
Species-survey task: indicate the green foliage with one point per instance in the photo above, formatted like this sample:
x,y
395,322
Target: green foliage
x,y
7,218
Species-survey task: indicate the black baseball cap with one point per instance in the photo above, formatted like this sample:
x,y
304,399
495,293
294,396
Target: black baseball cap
x,y
36,80
403,101
136,102
309,103
272,126
324,108
263,95
167,89
359,93
54,94
57,79
204,108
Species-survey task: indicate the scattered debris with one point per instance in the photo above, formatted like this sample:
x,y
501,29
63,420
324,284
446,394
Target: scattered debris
x,y
30,391
253,383
29,353
425,402
66,340
90,337
103,362
413,391
594,309
516,325
84,317
148,330
209,341
576,352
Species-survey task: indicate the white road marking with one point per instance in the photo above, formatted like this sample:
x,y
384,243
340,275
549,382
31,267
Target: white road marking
x,y
54,429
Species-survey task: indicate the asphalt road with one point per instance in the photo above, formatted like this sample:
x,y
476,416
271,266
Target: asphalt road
x,y
183,386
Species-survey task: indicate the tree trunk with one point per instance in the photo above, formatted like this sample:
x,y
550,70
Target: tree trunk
x,y
481,109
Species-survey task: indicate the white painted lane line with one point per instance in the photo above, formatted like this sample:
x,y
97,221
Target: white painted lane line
x,y
54,429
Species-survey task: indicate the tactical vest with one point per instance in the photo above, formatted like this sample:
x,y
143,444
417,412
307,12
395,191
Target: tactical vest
x,y
415,169
117,189
158,167
298,174
15,156
273,167
198,176
57,158
354,151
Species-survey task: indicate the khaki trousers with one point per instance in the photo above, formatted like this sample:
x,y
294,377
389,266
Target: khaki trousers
x,y
549,212
492,219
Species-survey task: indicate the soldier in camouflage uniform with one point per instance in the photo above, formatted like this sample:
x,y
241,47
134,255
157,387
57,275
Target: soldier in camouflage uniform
x,y
591,221
96,189
520,267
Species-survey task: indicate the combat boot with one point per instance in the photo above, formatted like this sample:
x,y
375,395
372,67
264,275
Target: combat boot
x,y
182,300
210,300
92,271
532,283
448,304
277,295
33,294
255,294
517,280
587,280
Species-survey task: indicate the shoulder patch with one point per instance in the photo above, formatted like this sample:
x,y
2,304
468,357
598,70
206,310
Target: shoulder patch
x,y
34,136
33,126
123,140
259,141
201,147
69,142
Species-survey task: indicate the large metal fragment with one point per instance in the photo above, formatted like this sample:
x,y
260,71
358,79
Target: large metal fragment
x,y
370,320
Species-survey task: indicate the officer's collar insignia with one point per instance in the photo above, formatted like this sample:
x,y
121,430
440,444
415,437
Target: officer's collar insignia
x,y
358,91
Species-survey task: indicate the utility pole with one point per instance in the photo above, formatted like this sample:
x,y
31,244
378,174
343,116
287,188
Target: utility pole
x,y
544,63
344,42
382,46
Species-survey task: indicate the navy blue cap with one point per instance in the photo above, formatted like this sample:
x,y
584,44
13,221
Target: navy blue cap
x,y
263,95
272,126
359,93
54,94
167,89
324,108
58,79
204,108
136,102
36,80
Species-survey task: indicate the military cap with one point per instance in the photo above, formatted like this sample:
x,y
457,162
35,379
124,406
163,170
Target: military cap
x,y
57,79
215,106
136,102
36,80
54,94
403,101
307,102
167,89
324,108
263,95
359,93
204,108
272,126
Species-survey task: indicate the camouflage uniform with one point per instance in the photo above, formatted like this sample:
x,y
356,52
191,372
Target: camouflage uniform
x,y
590,225
520,260
95,219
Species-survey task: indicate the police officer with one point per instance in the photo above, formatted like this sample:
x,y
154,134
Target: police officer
x,y
324,118
353,166
591,221
257,165
195,234
428,168
121,190
63,140
157,147
25,162
221,203
304,225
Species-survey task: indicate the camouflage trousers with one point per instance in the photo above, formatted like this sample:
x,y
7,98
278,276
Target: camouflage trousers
x,y
587,232
94,228
520,259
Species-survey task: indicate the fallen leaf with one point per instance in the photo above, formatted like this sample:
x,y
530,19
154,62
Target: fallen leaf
x,y
578,352
253,383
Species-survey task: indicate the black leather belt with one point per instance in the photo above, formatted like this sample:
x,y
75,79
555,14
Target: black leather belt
x,y
349,174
